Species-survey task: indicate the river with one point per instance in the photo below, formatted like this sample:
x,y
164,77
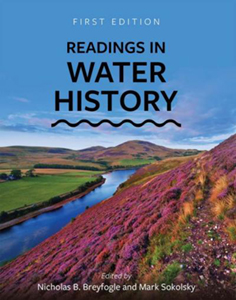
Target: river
x,y
22,237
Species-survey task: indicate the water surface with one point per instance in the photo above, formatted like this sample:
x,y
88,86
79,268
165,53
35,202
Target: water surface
x,y
22,237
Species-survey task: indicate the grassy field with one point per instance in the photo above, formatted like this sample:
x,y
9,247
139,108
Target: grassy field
x,y
26,191
148,172
69,172
135,162
27,157
29,162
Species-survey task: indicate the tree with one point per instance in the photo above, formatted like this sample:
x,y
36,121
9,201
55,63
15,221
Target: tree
x,y
3,216
30,173
17,174
3,176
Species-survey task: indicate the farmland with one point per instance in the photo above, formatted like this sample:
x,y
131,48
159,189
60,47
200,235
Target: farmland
x,y
128,154
27,191
135,162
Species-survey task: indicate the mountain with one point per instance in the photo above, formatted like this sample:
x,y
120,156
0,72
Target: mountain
x,y
92,149
133,153
135,150
176,226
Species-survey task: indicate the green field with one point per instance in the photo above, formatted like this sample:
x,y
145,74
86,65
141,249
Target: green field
x,y
81,173
26,191
135,162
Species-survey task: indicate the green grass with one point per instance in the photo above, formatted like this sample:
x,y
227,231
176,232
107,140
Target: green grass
x,y
217,262
232,233
26,191
135,162
170,273
186,248
163,247
81,173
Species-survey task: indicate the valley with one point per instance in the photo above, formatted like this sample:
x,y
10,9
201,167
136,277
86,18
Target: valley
x,y
172,221
59,173
96,158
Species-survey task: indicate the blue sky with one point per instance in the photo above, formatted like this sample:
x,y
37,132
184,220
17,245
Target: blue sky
x,y
200,61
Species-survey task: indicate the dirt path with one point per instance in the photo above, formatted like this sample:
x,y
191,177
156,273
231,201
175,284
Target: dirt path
x,y
210,262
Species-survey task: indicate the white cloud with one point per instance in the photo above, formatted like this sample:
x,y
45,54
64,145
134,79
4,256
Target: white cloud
x,y
20,99
212,139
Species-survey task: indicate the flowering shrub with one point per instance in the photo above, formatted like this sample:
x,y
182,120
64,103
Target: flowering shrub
x,y
113,235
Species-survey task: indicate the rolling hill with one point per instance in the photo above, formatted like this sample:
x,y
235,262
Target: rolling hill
x,y
134,150
177,226
131,153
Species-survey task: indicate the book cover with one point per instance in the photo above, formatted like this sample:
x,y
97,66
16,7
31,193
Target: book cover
x,y
117,149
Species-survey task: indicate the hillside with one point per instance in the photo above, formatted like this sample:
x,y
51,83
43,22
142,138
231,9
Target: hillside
x,y
27,157
150,171
178,226
132,153
135,150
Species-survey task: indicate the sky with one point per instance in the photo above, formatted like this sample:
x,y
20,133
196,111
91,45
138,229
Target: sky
x,y
200,63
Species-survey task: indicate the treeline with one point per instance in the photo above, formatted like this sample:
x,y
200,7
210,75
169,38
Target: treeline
x,y
116,167
58,166
17,174
8,216
105,164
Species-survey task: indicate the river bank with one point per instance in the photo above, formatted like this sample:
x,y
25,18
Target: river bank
x,y
23,236
58,205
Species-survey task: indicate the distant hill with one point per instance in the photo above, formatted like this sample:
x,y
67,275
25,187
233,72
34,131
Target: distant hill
x,y
174,227
135,149
132,153
92,149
